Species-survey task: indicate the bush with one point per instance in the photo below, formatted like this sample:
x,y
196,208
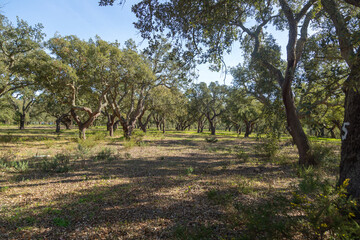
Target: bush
x,y
105,154
136,140
219,197
61,222
7,162
82,151
323,154
98,136
21,166
58,164
266,220
189,171
87,143
211,139
328,211
242,155
270,146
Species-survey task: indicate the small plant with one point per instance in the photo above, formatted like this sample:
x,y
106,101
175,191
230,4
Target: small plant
x,y
244,186
268,219
129,143
98,136
82,151
58,164
50,143
61,222
4,189
21,166
189,171
6,160
270,146
211,139
219,198
127,156
191,233
105,154
188,189
323,154
87,143
310,181
242,155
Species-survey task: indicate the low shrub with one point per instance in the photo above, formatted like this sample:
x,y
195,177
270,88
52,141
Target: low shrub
x,y
211,139
61,222
21,166
324,154
58,164
242,155
189,171
219,197
328,211
105,154
266,220
81,151
269,146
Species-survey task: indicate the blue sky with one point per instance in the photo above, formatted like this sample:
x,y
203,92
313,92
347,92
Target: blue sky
x,y
86,19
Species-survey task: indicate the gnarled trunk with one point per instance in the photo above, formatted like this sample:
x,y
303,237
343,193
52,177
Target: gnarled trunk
x,y
22,121
82,134
248,128
128,129
58,123
110,124
350,135
67,121
84,125
212,128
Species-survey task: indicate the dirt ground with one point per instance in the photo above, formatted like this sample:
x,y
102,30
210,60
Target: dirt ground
x,y
172,186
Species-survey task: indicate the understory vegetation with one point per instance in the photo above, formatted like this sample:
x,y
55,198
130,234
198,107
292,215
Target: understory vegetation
x,y
178,185
107,140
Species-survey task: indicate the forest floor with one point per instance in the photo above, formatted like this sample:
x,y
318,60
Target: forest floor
x,y
177,185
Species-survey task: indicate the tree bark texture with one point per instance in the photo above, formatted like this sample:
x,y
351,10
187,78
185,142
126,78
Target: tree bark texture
x,y
58,123
296,131
22,121
350,135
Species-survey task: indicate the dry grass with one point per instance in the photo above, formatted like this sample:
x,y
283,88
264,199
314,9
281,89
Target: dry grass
x,y
171,187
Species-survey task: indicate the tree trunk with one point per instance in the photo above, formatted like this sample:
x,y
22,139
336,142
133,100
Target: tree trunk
x,y
157,125
332,134
238,130
22,121
163,125
111,131
58,123
128,129
67,121
296,131
350,134
67,125
82,134
212,128
247,129
110,124
116,124
143,127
